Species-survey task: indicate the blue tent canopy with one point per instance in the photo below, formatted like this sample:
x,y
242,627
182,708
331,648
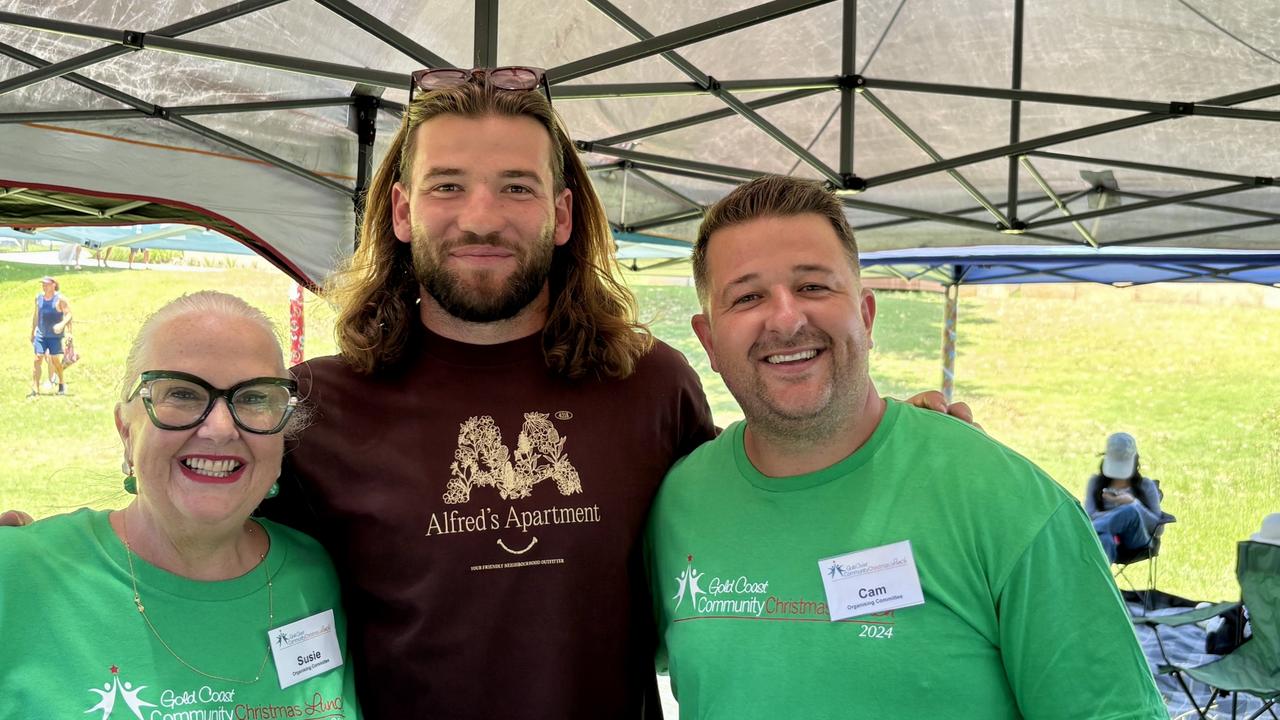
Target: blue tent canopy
x,y
1018,264
187,238
1119,266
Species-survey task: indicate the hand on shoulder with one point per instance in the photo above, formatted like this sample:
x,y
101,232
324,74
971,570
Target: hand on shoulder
x,y
15,518
933,400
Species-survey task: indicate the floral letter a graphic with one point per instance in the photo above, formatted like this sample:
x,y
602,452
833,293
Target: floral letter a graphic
x,y
481,459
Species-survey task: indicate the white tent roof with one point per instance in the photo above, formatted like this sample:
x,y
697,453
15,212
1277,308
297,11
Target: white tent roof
x,y
945,122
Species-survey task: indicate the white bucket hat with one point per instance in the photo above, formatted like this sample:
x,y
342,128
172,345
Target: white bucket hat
x,y
1270,530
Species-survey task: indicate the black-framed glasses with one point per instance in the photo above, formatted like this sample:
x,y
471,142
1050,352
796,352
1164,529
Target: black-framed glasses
x,y
511,77
180,401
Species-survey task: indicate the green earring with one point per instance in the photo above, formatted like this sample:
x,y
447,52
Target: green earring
x,y
274,490
130,482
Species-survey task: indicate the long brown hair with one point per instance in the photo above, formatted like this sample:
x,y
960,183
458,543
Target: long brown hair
x,y
591,328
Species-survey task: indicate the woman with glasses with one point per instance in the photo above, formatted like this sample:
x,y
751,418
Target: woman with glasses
x,y
181,605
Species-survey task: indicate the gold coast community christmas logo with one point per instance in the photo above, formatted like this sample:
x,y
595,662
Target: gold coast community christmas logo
x,y
123,691
687,582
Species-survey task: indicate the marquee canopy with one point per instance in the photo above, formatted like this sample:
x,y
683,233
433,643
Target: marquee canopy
x,y
942,123
142,237
1122,267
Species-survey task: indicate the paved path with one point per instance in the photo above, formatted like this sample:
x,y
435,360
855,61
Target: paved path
x,y
50,257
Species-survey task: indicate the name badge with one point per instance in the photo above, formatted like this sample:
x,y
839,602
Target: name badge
x,y
871,581
305,648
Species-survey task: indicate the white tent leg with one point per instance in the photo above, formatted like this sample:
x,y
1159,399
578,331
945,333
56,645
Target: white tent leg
x,y
949,342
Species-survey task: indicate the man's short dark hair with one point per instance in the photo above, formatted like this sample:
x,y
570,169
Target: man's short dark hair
x,y
769,196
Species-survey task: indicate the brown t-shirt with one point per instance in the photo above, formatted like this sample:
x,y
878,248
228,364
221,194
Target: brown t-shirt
x,y
486,517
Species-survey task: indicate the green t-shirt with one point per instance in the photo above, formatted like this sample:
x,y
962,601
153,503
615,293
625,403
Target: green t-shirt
x,y
74,645
1021,617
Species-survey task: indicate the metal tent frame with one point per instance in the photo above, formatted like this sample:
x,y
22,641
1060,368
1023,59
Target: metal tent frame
x,y
661,195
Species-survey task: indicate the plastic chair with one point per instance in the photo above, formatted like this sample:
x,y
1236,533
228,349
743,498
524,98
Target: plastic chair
x,y
1252,668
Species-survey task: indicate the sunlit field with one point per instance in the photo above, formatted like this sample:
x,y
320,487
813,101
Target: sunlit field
x,y
1197,385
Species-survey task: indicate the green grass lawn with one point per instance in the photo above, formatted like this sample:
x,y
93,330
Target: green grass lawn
x,y
60,453
1197,385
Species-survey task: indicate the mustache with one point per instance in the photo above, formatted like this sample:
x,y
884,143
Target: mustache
x,y
774,343
470,238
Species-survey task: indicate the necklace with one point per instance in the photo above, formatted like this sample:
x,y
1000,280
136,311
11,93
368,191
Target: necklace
x,y
137,601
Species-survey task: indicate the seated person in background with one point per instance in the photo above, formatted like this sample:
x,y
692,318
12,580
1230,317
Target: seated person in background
x,y
171,599
1124,505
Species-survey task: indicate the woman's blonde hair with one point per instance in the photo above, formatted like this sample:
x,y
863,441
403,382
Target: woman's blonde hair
x,y
203,303
591,328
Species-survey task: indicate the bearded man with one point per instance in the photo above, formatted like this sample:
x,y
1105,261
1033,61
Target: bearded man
x,y
488,443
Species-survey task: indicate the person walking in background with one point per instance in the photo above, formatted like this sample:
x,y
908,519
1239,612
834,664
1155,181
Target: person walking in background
x,y
68,254
1124,505
146,256
48,326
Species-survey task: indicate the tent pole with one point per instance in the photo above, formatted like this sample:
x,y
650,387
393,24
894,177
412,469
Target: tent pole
x,y
664,220
690,35
384,32
365,125
1176,110
704,177
887,209
693,204
1149,167
713,86
484,51
920,142
1169,200
705,117
1203,206
847,58
949,341
1194,232
190,25
1057,200
640,33
1015,117
597,91
140,41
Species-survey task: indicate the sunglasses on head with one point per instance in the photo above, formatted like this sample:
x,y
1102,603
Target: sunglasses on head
x,y
516,78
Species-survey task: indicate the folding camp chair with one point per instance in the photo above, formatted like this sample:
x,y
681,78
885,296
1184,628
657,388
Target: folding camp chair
x,y
1252,668
1150,554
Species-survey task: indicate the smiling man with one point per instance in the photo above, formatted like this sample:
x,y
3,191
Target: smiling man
x,y
839,555
487,445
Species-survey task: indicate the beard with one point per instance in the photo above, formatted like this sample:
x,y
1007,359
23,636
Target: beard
x,y
479,297
817,412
